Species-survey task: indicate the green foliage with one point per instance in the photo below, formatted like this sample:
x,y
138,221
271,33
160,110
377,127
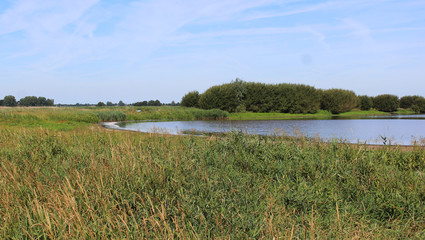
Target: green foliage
x,y
109,104
140,104
121,103
50,102
416,103
10,101
119,185
212,114
386,103
338,100
240,96
29,101
114,116
419,105
191,99
228,97
101,104
365,102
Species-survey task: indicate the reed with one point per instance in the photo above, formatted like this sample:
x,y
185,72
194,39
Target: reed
x,y
90,182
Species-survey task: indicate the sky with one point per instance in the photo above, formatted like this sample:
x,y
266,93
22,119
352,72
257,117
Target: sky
x,y
86,51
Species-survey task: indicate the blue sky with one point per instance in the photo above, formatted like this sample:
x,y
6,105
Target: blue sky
x,y
87,51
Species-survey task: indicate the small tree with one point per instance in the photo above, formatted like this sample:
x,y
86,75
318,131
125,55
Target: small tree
x,y
386,103
365,102
10,101
109,104
409,101
338,100
29,101
191,99
121,103
41,101
100,104
50,102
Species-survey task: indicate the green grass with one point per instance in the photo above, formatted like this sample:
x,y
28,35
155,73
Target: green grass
x,y
68,118
92,183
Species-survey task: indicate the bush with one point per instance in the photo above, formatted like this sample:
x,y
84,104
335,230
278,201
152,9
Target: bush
x,y
212,114
114,116
419,105
410,101
239,96
101,104
365,102
338,100
386,103
191,99
227,97
10,101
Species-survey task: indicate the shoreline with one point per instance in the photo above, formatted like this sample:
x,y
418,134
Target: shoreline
x,y
114,126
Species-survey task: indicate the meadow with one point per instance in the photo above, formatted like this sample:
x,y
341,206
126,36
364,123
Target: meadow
x,y
64,176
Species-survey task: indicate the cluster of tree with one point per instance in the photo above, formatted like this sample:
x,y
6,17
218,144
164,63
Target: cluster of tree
x,y
28,101
148,103
110,104
239,96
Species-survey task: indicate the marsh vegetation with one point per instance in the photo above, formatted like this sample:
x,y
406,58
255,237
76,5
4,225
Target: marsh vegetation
x,y
61,176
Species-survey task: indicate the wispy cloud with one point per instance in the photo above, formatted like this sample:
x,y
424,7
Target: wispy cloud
x,y
99,40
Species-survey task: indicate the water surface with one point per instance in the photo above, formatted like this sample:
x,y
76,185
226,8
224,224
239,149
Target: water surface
x,y
403,130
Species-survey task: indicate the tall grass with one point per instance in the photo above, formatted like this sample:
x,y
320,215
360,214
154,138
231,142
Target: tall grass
x,y
95,183
69,118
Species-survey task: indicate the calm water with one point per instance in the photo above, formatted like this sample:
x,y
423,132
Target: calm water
x,y
397,129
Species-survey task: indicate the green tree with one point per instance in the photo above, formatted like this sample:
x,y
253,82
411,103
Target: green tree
x,y
1,102
365,102
50,102
101,104
41,101
29,101
121,103
338,100
386,103
139,104
191,99
109,104
10,101
409,101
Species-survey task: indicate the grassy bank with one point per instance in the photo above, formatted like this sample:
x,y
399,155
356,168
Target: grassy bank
x,y
321,114
68,118
88,182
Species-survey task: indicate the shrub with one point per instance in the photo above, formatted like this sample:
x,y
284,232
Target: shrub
x,y
10,101
114,116
410,101
419,105
212,114
365,102
386,103
228,97
101,104
191,99
338,100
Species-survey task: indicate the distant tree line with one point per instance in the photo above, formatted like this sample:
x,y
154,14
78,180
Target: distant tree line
x,y
138,104
28,101
148,103
240,96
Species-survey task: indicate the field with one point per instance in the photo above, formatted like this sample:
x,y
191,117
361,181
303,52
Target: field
x,y
63,176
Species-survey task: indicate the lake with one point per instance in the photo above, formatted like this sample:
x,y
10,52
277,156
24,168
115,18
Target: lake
x,y
402,130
